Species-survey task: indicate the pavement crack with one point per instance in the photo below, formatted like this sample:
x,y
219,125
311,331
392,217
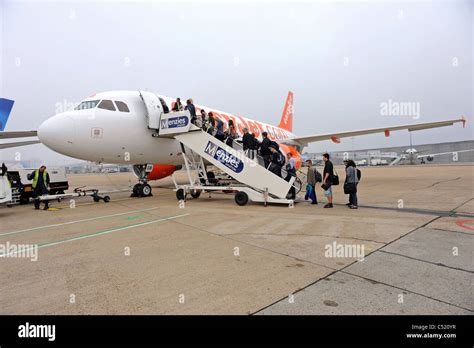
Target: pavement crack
x,y
407,290
459,206
302,234
439,182
252,245
430,262
350,264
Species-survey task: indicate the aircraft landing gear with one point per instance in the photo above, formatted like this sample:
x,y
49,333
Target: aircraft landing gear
x,y
142,189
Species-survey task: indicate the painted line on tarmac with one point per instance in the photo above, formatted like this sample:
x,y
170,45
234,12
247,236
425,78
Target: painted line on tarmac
x,y
95,234
112,201
120,199
76,221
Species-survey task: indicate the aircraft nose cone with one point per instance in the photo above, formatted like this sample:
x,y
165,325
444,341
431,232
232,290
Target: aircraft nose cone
x,y
57,132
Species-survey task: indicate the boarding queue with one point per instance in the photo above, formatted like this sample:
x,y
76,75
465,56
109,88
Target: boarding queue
x,y
273,159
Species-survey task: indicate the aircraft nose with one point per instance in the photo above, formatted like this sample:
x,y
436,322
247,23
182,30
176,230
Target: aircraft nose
x,y
57,132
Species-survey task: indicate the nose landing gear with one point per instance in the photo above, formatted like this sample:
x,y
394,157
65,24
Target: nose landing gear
x,y
142,189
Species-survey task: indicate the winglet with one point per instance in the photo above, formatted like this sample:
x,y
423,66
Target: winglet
x,y
286,121
463,120
6,106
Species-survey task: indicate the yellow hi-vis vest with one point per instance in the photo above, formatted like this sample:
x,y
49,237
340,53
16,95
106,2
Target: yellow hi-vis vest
x,y
35,180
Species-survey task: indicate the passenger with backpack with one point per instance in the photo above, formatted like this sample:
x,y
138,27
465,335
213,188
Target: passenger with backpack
x,y
248,142
277,161
350,185
256,144
313,177
290,172
192,110
220,130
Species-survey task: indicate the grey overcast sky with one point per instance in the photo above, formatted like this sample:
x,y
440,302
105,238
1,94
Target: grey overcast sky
x,y
341,59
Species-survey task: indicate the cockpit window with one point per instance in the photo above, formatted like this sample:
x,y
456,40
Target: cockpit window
x,y
107,105
122,106
89,104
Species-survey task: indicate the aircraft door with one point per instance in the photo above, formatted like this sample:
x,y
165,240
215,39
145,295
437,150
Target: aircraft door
x,y
153,108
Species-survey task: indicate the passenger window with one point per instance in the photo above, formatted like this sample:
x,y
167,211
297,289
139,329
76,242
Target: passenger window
x,y
122,106
166,109
107,105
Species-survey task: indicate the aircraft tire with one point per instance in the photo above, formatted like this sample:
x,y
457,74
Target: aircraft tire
x,y
144,190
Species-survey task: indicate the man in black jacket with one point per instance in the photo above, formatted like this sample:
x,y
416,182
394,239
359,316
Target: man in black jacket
x,y
265,149
256,143
276,160
248,143
290,172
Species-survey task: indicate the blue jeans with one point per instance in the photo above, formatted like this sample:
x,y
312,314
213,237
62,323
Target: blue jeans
x,y
353,198
311,194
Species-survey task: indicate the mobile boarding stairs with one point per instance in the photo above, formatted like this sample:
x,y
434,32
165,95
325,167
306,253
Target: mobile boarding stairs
x,y
251,180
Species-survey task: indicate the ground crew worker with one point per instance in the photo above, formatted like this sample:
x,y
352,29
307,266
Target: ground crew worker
x,y
40,185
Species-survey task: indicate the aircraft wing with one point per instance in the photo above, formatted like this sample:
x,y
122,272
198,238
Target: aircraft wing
x,y
443,153
6,106
335,137
18,134
18,143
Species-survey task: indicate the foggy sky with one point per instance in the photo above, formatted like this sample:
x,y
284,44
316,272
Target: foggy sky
x,y
342,60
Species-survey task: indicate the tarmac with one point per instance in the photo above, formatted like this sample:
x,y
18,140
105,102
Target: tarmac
x,y
414,225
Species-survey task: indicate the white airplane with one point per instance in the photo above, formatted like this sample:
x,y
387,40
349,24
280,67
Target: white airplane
x,y
413,154
114,127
